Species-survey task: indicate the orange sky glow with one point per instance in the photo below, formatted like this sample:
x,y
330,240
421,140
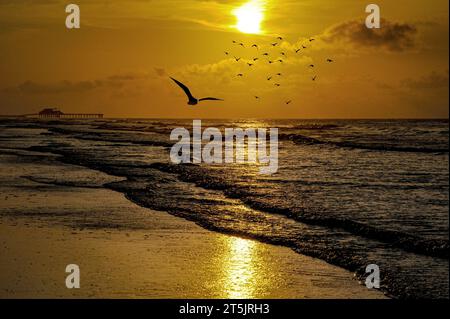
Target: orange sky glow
x,y
119,61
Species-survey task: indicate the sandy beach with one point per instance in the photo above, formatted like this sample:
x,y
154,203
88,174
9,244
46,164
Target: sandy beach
x,y
126,251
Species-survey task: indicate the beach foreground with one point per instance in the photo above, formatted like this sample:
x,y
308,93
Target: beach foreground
x,y
149,255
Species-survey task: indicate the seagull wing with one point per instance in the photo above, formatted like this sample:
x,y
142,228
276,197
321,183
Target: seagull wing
x,y
210,99
185,89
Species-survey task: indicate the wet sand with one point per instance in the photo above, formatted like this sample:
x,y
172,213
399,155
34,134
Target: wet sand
x,y
126,251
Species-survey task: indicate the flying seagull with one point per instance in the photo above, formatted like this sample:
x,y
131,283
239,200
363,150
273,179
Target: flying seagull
x,y
311,65
274,44
280,38
314,78
288,102
250,64
226,53
257,97
240,74
283,54
277,84
270,62
266,54
255,59
241,44
329,60
296,51
281,61
255,46
304,47
193,100
237,59
269,78
311,40
279,74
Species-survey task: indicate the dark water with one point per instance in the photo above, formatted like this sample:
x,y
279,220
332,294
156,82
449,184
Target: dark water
x,y
349,192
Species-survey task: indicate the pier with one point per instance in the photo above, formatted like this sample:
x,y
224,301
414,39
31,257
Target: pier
x,y
56,113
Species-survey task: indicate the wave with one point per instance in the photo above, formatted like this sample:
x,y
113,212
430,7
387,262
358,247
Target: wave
x,y
316,127
408,242
141,139
134,128
306,140
198,175
384,186
158,186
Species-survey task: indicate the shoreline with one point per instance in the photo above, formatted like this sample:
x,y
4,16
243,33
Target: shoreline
x,y
127,251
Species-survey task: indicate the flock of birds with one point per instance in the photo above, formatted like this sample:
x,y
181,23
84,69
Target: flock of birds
x,y
251,62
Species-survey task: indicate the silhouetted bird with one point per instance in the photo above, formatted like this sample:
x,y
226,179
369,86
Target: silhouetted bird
x,y
298,50
314,78
311,40
240,74
288,102
281,61
250,64
283,54
237,59
269,78
277,84
226,53
241,44
255,59
311,65
266,54
257,97
329,60
233,41
280,38
270,62
304,47
193,100
279,74
274,44
255,46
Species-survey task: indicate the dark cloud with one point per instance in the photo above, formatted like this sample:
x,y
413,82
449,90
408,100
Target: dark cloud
x,y
434,80
67,86
160,72
31,87
128,77
391,36
385,86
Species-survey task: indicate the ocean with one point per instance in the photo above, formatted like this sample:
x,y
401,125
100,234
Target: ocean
x,y
349,192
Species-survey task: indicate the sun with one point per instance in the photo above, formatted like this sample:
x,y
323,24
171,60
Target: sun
x,y
249,17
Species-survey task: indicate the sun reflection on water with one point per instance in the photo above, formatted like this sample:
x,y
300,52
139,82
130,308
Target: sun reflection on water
x,y
240,268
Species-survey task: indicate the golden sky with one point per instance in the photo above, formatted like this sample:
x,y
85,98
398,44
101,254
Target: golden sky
x,y
120,60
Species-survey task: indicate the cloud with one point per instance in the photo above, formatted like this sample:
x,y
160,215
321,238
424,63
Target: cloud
x,y
132,76
160,72
67,86
392,36
434,80
31,87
